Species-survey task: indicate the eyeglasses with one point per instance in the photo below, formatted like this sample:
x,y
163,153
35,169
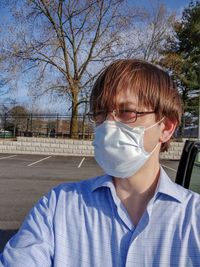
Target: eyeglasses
x,y
124,115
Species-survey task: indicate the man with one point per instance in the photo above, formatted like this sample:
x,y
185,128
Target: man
x,y
134,215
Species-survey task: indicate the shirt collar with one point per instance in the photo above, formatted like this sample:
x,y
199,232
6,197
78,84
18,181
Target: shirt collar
x,y
102,181
165,186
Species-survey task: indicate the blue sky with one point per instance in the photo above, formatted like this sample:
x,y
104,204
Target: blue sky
x,y
176,4
171,4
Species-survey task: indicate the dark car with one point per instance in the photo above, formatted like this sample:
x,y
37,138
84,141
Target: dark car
x,y
188,173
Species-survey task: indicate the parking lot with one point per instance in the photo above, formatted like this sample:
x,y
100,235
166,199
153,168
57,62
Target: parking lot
x,y
24,179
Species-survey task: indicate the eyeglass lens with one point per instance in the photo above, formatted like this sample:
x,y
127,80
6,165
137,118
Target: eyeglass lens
x,y
119,115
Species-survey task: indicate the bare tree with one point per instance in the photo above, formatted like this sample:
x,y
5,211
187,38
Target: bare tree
x,y
153,32
4,87
64,45
17,118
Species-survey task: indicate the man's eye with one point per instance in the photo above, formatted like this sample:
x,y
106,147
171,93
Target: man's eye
x,y
99,113
128,112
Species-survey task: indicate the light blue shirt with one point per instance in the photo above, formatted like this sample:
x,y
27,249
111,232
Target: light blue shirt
x,y
84,224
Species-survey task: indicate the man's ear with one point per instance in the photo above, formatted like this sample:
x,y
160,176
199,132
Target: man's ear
x,y
168,128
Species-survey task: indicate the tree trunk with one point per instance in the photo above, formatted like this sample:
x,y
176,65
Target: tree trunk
x,y
74,115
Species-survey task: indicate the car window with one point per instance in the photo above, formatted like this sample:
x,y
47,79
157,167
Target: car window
x,y
195,177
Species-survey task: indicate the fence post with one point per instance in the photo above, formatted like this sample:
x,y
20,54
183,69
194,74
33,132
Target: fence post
x,y
57,122
31,124
5,126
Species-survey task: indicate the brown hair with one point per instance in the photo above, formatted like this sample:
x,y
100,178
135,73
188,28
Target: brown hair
x,y
153,87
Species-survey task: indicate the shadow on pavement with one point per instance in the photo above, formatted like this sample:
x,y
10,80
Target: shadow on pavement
x,y
5,235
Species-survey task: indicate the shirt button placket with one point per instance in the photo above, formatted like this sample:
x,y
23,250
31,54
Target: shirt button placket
x,y
133,247
136,253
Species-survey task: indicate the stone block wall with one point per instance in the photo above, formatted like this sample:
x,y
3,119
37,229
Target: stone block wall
x,y
174,152
64,147
47,146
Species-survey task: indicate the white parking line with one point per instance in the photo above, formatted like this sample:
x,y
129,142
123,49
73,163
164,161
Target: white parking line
x,y
38,161
81,162
169,168
8,157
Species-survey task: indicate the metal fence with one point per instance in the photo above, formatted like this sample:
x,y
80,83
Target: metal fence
x,y
43,125
58,126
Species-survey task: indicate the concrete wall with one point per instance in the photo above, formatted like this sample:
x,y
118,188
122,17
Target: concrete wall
x,y
53,146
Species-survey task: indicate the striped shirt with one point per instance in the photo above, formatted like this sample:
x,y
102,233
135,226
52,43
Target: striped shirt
x,y
85,224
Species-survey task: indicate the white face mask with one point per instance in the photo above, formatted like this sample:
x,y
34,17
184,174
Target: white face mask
x,y
119,149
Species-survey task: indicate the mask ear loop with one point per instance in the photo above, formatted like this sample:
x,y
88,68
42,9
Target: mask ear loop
x,y
152,127
154,124
154,148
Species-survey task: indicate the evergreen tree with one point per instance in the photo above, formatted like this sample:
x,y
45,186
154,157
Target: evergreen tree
x,y
182,56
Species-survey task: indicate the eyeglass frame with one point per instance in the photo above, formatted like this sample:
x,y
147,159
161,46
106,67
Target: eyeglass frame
x,y
114,111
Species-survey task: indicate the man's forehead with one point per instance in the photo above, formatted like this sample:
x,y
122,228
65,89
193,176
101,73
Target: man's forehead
x,y
127,97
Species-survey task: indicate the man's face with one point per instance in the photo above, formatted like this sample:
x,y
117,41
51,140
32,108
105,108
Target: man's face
x,y
128,100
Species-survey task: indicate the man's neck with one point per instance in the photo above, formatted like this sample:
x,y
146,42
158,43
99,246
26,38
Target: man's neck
x,y
136,191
